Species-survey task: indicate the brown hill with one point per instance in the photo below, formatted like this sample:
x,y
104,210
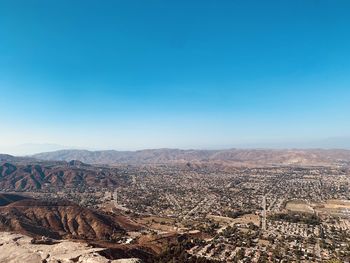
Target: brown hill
x,y
55,219
43,176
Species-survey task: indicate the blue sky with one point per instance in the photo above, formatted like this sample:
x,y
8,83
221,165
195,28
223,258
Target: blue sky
x,y
190,74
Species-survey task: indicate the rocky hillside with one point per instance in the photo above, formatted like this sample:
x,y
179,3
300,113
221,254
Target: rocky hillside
x,y
231,156
55,219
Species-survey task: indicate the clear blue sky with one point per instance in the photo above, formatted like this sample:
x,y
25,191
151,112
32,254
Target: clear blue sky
x,y
145,74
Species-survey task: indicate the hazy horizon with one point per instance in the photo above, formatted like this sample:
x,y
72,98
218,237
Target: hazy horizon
x,y
34,148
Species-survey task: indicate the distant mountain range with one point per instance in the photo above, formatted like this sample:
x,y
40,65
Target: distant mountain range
x,y
230,157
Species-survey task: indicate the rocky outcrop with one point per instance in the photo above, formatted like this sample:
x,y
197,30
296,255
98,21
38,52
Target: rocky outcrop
x,y
15,248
